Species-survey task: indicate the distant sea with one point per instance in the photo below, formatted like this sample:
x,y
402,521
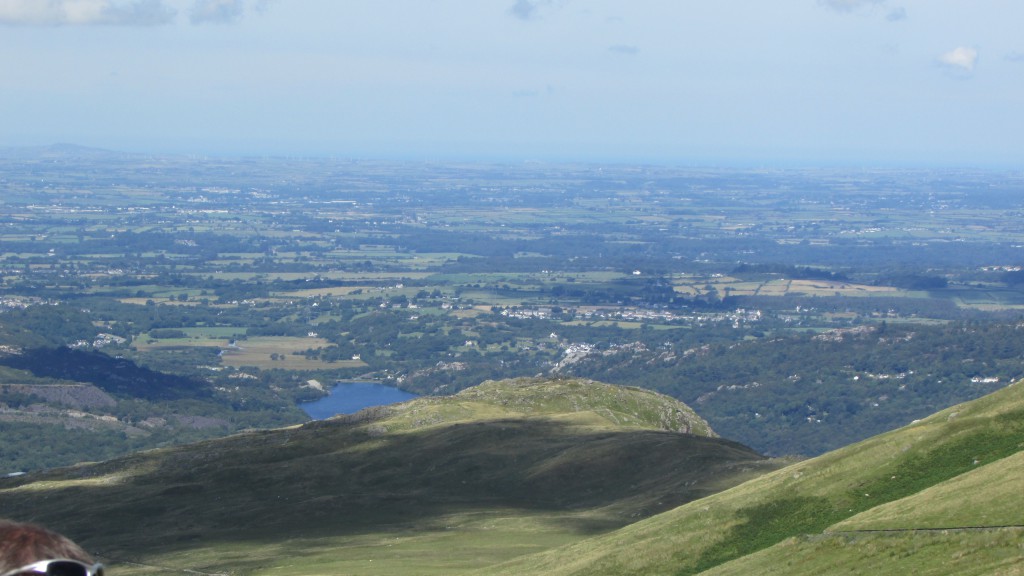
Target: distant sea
x,y
350,397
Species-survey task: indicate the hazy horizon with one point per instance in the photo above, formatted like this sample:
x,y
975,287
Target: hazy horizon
x,y
866,83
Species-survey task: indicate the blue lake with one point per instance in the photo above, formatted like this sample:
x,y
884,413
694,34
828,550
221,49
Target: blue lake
x,y
350,397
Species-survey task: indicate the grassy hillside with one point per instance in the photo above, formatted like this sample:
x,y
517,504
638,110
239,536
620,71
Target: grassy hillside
x,y
620,406
970,524
995,552
550,477
431,486
958,470
986,496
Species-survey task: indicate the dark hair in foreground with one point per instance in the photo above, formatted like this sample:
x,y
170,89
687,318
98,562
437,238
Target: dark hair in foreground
x,y
23,544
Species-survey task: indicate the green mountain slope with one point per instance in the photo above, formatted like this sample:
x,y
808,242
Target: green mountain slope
x,y
986,496
970,524
802,519
435,485
941,553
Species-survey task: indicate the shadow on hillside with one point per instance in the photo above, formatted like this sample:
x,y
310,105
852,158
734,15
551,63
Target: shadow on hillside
x,y
117,376
332,478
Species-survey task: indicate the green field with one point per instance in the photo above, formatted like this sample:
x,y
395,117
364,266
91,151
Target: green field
x,y
257,351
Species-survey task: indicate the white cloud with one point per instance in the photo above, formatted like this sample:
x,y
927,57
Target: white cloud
x,y
962,58
893,14
121,12
217,11
528,9
84,12
523,9
897,14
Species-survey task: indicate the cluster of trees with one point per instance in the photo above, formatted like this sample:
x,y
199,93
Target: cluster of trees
x,y
806,393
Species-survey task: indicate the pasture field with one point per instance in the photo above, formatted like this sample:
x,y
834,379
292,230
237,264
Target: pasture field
x,y
263,352
726,285
828,288
329,274
164,299
258,351
332,292
988,298
143,343
213,332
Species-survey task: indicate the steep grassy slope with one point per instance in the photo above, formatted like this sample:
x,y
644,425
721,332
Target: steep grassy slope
x,y
970,524
436,485
942,553
990,495
780,523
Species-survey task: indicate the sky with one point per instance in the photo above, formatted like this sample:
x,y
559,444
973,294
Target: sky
x,y
884,83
